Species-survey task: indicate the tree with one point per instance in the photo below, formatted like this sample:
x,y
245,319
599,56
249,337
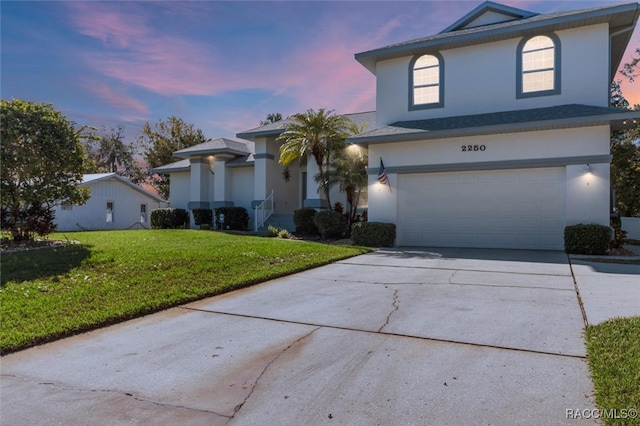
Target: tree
x,y
42,164
271,118
617,100
350,173
161,141
625,157
314,134
629,69
110,154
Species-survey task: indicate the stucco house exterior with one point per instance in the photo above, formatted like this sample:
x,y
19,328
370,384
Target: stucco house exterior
x,y
494,133
114,203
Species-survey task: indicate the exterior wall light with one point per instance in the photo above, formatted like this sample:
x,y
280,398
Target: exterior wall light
x,y
588,169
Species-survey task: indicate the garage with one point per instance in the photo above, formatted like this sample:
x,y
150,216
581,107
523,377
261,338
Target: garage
x,y
519,209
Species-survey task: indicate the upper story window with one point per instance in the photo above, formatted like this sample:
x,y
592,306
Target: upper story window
x,y
538,66
426,75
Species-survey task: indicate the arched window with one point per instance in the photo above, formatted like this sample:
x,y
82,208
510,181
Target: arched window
x,y
426,74
538,66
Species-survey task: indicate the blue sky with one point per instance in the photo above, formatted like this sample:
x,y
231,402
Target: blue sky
x,y
222,66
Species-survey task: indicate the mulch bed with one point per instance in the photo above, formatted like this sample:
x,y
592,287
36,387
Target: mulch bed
x,y
8,246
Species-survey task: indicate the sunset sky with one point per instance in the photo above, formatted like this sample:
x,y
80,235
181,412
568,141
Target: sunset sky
x,y
222,66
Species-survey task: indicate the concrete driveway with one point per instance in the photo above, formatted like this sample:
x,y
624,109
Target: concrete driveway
x,y
396,337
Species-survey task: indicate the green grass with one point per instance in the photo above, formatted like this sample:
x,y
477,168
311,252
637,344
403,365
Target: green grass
x,y
613,350
117,275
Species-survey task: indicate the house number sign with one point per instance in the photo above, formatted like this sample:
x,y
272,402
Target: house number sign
x,y
471,148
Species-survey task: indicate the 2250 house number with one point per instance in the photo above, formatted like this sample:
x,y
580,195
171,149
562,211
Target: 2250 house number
x,y
470,148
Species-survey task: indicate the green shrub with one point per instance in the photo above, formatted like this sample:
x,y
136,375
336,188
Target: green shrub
x,y
331,224
169,219
587,239
235,218
303,220
373,234
202,216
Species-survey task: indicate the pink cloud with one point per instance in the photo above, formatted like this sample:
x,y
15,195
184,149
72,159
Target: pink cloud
x,y
130,108
137,54
97,20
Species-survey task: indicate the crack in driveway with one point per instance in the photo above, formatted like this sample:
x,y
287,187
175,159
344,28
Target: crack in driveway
x,y
394,308
266,367
110,391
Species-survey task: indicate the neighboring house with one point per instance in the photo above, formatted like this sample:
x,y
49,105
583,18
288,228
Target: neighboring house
x,y
494,133
114,203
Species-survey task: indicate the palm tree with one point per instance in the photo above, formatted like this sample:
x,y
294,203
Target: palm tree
x,y
314,134
349,171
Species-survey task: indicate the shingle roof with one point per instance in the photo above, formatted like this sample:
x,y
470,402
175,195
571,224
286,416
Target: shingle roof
x,y
178,166
95,177
618,16
217,146
368,119
497,122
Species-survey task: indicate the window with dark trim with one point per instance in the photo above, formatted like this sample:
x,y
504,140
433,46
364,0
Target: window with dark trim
x,y
426,82
538,66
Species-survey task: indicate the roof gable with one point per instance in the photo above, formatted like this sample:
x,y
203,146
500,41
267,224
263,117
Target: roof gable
x,y
488,13
91,178
217,146
620,18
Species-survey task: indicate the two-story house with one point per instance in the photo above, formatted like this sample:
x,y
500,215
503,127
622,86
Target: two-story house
x,y
494,132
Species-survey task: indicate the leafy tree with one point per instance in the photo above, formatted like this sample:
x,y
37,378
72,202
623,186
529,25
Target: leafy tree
x,y
629,69
110,154
314,134
625,161
161,141
617,100
271,118
350,173
42,164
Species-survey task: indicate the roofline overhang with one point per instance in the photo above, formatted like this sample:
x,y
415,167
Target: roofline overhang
x,y
203,152
619,121
250,135
163,170
500,32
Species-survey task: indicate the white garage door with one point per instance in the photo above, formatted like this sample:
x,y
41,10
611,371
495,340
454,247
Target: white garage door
x,y
497,209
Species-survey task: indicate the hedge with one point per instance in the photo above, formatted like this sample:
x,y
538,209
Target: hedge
x,y
303,220
169,219
331,224
373,234
202,216
587,239
235,218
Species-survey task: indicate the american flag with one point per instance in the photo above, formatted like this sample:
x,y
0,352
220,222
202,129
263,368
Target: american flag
x,y
382,174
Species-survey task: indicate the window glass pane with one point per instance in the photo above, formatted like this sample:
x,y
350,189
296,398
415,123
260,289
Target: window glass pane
x,y
539,42
109,212
537,81
537,60
426,76
426,95
426,61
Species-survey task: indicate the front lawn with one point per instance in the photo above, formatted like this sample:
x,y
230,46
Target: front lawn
x,y
113,276
613,350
